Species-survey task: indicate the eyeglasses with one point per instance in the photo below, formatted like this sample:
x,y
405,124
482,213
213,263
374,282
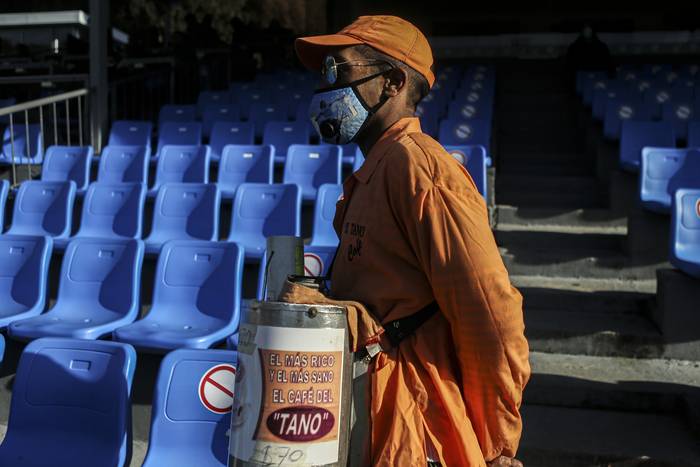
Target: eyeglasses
x,y
329,70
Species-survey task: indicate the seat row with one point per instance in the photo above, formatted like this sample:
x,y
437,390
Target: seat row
x,y
75,397
182,211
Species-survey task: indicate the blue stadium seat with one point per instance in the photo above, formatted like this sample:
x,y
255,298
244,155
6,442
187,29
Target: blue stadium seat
x,y
657,96
113,210
694,134
196,298
176,114
64,163
238,91
124,164
317,260
359,160
466,133
43,208
685,231
4,190
281,135
184,211
6,103
244,164
474,159
2,348
261,210
98,292
348,151
614,90
637,135
26,150
192,409
324,212
131,133
664,171
312,166
181,164
218,113
582,77
679,113
429,125
619,110
438,102
293,101
589,87
207,98
180,134
71,405
256,97
261,113
429,110
225,133
468,111
24,267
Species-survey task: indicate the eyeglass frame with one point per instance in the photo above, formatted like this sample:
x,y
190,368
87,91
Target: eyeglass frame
x,y
335,65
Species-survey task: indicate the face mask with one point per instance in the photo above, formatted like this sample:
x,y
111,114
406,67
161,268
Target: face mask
x,y
339,113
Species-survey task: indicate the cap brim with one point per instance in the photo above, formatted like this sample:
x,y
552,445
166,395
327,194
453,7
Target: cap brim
x,y
312,50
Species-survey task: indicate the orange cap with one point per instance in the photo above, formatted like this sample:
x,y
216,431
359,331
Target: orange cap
x,y
390,35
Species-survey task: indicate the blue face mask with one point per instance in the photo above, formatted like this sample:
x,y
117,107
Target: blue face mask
x,y
340,113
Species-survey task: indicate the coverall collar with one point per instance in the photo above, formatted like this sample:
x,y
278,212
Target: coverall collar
x,y
402,127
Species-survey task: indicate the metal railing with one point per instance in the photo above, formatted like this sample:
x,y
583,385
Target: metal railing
x,y
59,107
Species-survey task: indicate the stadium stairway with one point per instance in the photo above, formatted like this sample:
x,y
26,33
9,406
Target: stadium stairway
x,y
606,388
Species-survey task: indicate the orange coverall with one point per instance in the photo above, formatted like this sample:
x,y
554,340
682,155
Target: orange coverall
x,y
414,229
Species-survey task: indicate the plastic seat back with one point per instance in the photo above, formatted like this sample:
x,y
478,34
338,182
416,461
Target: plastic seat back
x,y
24,266
313,166
198,278
620,110
63,163
657,96
281,135
679,113
20,148
73,395
685,231
192,409
101,271
694,134
186,164
131,133
179,134
465,133
113,210
207,98
474,159
470,111
261,210
213,113
664,170
636,135
186,211
177,113
251,99
4,191
43,208
244,164
324,212
225,133
263,112
124,164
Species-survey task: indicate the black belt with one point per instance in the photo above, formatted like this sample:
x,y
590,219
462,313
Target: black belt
x,y
398,330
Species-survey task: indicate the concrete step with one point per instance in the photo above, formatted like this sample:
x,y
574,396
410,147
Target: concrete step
x,y
616,383
516,236
541,260
561,220
565,199
573,437
592,333
583,294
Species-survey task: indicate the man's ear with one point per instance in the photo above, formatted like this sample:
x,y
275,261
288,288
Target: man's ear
x,y
394,82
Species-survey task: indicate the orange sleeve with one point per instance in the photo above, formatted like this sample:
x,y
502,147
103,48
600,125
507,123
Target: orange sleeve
x,y
449,232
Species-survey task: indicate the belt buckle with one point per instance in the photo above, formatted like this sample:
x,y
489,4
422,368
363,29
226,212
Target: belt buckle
x,y
372,351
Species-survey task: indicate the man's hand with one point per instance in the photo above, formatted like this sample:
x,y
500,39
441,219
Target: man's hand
x,y
503,461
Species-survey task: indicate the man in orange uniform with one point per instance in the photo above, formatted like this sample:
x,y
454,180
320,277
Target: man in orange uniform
x,y
413,232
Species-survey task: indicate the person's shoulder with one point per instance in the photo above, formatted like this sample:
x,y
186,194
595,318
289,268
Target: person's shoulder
x,y
418,156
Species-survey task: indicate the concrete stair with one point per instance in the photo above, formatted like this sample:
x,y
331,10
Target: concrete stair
x,y
607,387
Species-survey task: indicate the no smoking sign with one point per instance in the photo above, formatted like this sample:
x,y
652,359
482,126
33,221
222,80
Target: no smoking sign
x,y
216,388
